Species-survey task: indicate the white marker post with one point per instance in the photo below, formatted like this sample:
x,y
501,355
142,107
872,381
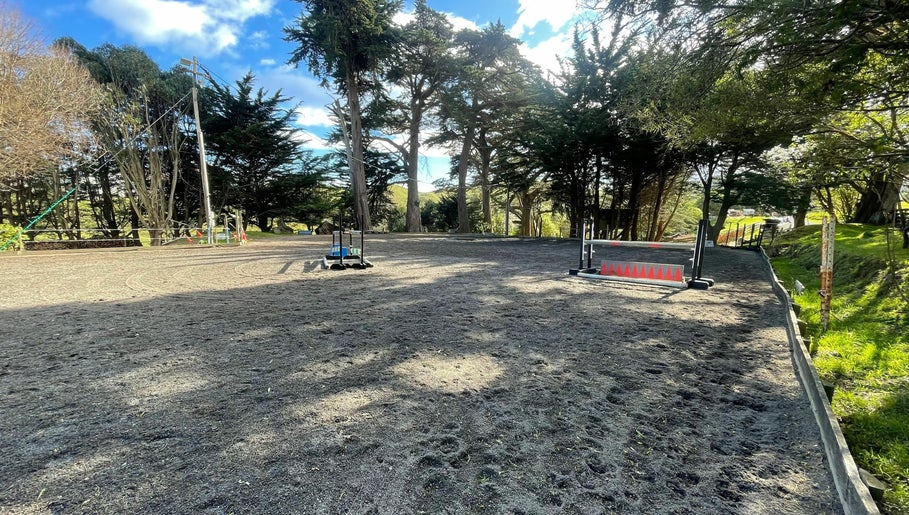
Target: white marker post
x,y
828,234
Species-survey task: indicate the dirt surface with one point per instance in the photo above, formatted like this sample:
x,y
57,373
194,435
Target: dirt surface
x,y
456,376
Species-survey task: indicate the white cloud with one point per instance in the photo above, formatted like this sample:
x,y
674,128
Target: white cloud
x,y
292,82
240,10
309,116
267,62
311,141
224,37
402,18
436,151
547,31
259,40
457,23
153,21
546,53
207,28
533,12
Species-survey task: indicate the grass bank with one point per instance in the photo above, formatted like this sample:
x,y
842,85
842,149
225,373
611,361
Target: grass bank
x,y
865,351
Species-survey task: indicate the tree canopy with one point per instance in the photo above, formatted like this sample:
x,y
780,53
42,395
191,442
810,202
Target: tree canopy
x,y
46,100
660,107
344,41
254,146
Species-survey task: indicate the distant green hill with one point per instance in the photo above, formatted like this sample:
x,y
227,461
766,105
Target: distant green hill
x,y
398,195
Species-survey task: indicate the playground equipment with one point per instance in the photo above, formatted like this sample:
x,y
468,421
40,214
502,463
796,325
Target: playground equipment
x,y
16,239
338,253
660,274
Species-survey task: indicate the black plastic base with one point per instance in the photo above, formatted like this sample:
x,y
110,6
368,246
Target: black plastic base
x,y
345,266
700,284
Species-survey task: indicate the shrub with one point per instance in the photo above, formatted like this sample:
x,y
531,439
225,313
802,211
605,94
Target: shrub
x,y
8,234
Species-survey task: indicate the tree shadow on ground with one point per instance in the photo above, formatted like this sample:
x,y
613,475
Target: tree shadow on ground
x,y
509,388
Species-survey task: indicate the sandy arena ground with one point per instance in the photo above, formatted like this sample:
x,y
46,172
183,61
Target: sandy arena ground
x,y
457,376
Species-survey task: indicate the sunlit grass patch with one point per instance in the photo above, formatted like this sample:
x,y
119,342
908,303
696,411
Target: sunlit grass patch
x,y
865,351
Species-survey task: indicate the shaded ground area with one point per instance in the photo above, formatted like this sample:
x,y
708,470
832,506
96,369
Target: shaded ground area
x,y
457,376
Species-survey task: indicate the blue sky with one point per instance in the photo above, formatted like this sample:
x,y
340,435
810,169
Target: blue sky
x,y
231,37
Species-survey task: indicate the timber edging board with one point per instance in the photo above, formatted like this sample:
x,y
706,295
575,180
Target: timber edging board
x,y
854,495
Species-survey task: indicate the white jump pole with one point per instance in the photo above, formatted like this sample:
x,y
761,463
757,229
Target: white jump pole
x,y
696,281
643,244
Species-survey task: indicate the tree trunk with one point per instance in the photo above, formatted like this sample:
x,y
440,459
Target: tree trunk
x,y
262,222
134,221
486,194
77,215
634,203
708,189
175,163
463,216
108,210
507,212
596,214
485,190
657,206
678,194
878,199
526,201
60,220
357,172
577,202
615,222
5,205
801,211
725,203
707,184
412,219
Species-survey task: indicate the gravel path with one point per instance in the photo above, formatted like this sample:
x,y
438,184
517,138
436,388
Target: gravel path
x,y
456,376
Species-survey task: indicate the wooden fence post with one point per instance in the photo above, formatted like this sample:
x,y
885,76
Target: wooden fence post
x,y
828,232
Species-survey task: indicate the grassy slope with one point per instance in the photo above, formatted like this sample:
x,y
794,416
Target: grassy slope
x,y
399,196
865,352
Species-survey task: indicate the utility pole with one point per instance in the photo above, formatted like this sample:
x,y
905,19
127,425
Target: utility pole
x,y
203,167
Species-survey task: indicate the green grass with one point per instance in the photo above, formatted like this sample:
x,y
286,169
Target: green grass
x,y
742,221
736,229
398,196
865,351
252,234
